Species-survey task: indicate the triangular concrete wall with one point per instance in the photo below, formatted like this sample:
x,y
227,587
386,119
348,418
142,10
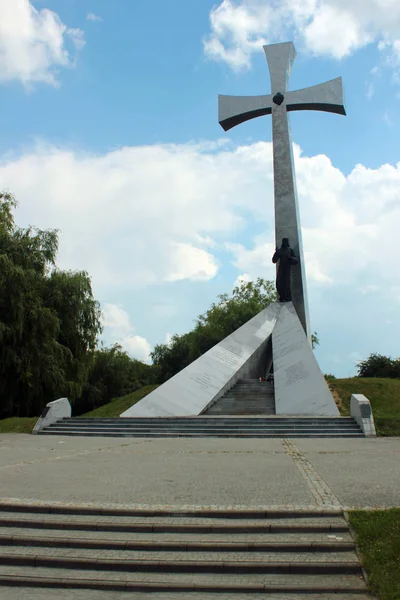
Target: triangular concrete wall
x,y
300,387
204,381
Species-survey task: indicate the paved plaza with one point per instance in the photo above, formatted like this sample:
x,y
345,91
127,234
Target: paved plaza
x,y
201,472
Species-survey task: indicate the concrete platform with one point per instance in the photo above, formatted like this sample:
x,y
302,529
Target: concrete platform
x,y
203,472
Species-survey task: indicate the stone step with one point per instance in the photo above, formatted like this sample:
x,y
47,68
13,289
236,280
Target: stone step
x,y
221,563
204,423
269,392
178,552
206,419
210,434
201,429
98,594
247,399
206,433
17,537
214,557
200,424
324,525
295,541
180,583
233,410
83,510
244,401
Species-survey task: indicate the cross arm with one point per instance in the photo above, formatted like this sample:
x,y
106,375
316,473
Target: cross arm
x,y
327,97
233,110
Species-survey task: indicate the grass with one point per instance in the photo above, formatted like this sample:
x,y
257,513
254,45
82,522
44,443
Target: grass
x,y
384,395
18,424
378,539
118,405
112,409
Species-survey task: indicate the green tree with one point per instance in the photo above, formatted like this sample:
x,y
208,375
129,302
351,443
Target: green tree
x,y
112,373
377,365
314,340
223,317
49,321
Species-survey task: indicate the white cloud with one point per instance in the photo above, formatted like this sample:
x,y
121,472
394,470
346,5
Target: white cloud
x,y
116,318
140,216
243,278
187,261
93,17
334,28
138,347
34,43
118,328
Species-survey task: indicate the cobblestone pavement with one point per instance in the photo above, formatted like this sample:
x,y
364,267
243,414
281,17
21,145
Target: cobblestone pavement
x,y
203,472
319,488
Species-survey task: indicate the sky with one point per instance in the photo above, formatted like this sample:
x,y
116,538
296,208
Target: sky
x,y
109,132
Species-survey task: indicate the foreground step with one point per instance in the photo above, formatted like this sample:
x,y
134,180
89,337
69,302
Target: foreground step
x,y
65,594
171,582
182,552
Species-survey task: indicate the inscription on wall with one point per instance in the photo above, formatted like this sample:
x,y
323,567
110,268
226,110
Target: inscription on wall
x,y
203,380
227,357
296,373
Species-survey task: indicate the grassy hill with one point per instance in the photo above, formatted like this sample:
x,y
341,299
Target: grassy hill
x,y
118,405
384,395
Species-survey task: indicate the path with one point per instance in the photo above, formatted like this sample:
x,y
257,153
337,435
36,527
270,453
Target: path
x,y
217,472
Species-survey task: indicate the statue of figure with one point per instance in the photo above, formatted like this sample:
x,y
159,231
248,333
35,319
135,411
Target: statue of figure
x,y
286,258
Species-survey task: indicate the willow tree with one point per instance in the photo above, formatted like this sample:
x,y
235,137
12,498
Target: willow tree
x,y
49,320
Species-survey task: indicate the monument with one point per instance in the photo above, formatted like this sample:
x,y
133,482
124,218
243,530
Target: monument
x,y
282,328
233,110
286,258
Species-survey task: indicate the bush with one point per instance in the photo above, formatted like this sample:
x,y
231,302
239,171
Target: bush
x,y
377,365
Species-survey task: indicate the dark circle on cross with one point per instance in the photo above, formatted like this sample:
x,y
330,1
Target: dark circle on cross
x,y
278,98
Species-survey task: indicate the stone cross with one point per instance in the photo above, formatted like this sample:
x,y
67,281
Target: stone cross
x,y
233,110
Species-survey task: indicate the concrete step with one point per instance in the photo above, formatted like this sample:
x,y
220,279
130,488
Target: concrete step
x,y
249,397
206,419
216,430
260,391
333,526
244,409
207,424
181,583
209,552
244,400
98,594
222,420
122,433
17,537
178,562
84,510
218,424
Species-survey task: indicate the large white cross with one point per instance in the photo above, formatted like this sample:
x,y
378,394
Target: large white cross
x,y
233,110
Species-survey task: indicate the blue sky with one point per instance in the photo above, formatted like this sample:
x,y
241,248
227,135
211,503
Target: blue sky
x,y
108,115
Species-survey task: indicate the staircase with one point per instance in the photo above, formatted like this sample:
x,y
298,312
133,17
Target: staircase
x,y
246,411
247,397
208,426
192,553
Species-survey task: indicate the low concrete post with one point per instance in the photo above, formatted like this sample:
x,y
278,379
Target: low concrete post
x,y
360,410
58,409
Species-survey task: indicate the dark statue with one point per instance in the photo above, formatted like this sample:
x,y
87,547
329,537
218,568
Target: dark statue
x,y
286,258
